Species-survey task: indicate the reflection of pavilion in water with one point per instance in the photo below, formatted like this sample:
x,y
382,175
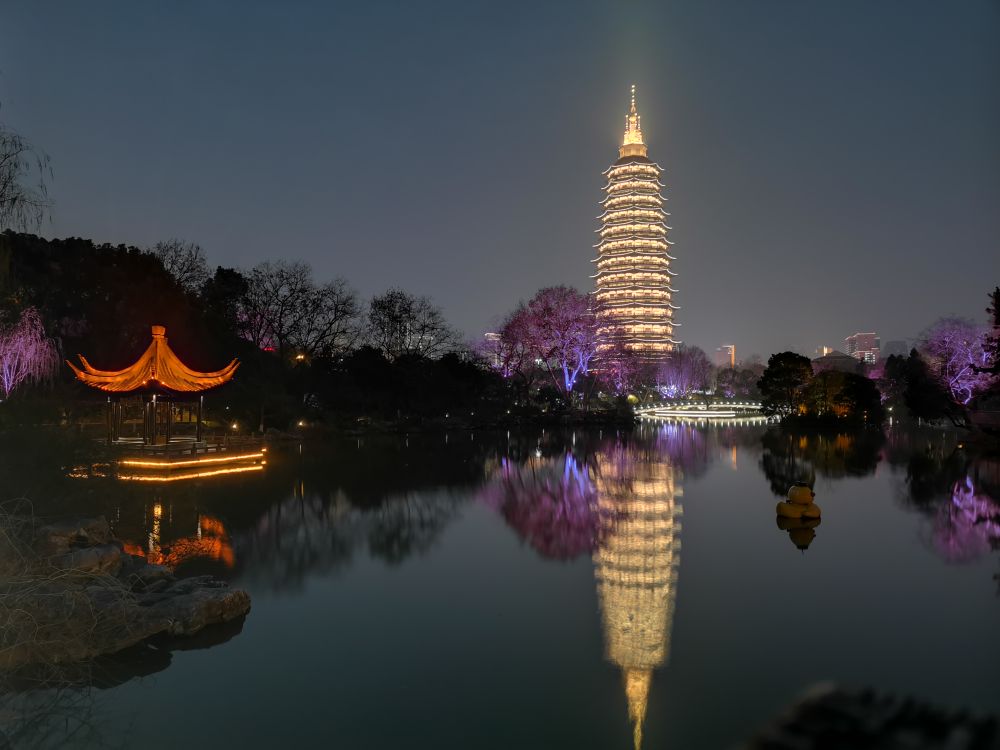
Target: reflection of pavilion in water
x,y
636,567
209,541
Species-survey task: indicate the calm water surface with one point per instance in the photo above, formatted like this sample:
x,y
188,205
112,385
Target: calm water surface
x,y
562,591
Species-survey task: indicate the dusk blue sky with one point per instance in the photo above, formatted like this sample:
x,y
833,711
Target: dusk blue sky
x,y
831,166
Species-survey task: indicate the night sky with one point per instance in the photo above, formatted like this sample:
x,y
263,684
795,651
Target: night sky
x,y
831,167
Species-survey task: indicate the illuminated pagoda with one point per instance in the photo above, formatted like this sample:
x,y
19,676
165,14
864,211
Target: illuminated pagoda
x,y
636,569
157,378
633,281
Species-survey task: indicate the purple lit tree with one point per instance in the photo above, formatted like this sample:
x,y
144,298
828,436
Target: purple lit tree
x,y
508,351
621,368
954,349
991,342
560,333
26,353
688,370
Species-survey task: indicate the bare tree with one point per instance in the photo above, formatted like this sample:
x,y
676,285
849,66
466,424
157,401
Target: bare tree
x,y
185,261
334,323
276,304
399,324
284,310
22,205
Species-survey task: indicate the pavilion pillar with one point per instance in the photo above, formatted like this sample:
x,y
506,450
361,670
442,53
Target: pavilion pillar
x,y
197,431
111,422
170,419
153,420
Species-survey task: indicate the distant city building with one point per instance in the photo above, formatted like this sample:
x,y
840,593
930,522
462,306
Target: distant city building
x,y
836,360
725,356
493,347
897,347
822,351
863,346
633,278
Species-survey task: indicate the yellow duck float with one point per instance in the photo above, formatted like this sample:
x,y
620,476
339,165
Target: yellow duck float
x,y
799,504
799,515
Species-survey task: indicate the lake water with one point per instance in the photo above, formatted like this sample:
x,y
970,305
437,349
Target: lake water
x,y
559,590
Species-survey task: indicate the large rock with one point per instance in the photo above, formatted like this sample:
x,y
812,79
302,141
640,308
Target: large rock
x,y
85,597
103,558
195,603
59,538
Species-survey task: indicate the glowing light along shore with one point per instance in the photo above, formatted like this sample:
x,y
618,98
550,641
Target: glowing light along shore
x,y
633,280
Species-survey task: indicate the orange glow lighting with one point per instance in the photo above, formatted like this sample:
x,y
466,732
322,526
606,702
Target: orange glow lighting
x,y
192,462
189,475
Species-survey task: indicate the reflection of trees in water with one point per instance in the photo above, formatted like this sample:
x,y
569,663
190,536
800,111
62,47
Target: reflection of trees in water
x,y
59,705
967,524
789,457
550,502
686,446
313,533
52,717
957,491
389,497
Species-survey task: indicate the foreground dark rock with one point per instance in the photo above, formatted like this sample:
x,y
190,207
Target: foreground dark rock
x,y
832,718
74,595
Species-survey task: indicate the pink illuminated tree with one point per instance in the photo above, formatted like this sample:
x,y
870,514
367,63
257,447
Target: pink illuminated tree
x,y
26,353
688,370
508,351
559,332
621,367
954,349
991,342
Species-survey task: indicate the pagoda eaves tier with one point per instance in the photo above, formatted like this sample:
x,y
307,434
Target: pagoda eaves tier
x,y
633,290
158,370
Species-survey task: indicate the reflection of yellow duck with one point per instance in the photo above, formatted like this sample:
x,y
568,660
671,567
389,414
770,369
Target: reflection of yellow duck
x,y
800,515
800,530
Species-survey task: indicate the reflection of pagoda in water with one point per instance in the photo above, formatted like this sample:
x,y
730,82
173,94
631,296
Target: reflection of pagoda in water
x,y
636,568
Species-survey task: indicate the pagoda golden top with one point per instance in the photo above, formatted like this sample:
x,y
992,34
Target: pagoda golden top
x,y
632,144
159,368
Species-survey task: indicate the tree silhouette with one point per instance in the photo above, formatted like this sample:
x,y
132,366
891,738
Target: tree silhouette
x,y
22,205
782,384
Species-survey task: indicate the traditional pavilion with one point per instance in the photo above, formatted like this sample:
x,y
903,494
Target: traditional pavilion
x,y
636,569
633,280
160,380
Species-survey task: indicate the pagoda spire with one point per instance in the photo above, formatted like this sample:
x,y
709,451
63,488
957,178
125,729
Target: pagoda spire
x,y
632,143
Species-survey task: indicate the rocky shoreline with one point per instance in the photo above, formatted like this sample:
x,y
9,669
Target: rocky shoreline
x,y
70,593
